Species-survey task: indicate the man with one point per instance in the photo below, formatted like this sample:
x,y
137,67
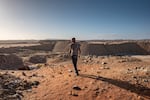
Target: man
x,y
75,51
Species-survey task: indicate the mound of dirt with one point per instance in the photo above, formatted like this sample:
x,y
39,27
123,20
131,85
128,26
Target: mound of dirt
x,y
10,62
42,47
129,48
38,59
145,46
104,48
88,47
61,46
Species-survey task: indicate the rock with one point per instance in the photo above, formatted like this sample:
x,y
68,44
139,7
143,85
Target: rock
x,y
101,67
92,82
96,89
75,94
98,72
66,83
32,67
103,90
137,68
11,87
10,62
145,80
24,68
61,65
24,74
38,59
60,73
75,87
52,76
17,96
29,90
69,75
46,64
85,87
70,93
85,57
129,71
122,61
85,61
134,77
103,63
66,56
106,67
70,70
97,62
34,75
35,83
96,93
19,92
39,66
146,70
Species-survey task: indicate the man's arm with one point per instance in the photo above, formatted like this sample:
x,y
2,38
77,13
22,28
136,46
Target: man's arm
x,y
79,51
70,50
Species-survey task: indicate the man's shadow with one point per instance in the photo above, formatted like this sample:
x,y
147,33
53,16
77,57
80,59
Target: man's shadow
x,y
138,89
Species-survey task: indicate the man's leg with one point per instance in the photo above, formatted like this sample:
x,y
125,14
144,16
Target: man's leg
x,y
74,60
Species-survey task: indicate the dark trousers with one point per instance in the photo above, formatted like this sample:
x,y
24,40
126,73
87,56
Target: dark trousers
x,y
74,61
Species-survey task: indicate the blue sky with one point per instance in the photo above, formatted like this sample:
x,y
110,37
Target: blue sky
x,y
84,19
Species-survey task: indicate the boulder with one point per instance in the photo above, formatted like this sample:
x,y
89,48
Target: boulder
x,y
38,59
10,62
75,87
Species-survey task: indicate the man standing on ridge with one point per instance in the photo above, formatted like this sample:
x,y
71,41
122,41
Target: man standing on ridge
x,y
75,51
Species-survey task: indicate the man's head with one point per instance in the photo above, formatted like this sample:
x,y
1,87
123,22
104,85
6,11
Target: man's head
x,y
73,40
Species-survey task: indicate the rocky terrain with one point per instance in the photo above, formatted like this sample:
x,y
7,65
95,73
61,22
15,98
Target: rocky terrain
x,y
109,70
11,87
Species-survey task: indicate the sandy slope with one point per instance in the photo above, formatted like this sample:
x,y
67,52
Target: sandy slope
x,y
116,82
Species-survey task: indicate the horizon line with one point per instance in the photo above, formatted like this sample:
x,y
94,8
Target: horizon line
x,y
64,39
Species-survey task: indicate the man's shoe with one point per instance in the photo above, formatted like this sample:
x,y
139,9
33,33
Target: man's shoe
x,y
77,74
